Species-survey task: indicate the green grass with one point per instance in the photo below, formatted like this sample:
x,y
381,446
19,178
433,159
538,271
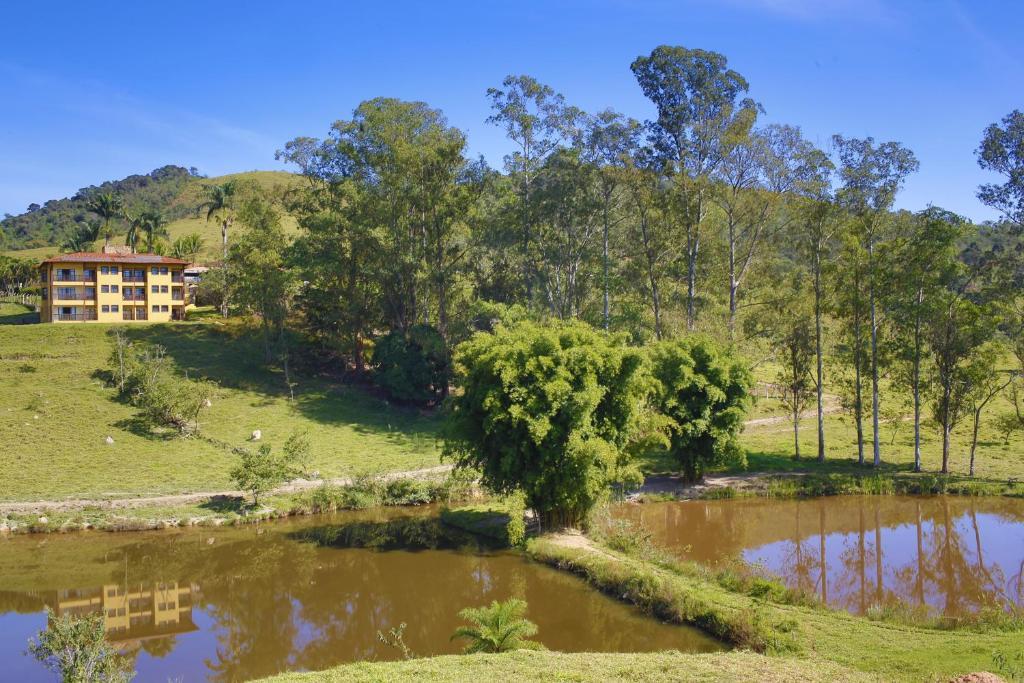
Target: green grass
x,y
56,410
16,314
591,666
890,651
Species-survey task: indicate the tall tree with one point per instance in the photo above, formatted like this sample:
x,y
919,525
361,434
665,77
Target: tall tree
x,y
220,204
816,226
538,121
700,106
871,176
1002,151
154,226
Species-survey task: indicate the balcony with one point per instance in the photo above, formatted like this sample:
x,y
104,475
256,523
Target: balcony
x,y
133,278
74,276
75,295
177,278
128,296
89,315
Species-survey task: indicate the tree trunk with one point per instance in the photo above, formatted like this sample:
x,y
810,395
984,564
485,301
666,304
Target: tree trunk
x,y
917,382
604,254
819,360
945,448
974,437
858,399
732,280
796,430
874,355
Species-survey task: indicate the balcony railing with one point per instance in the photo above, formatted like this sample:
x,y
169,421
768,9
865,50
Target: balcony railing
x,y
133,297
133,278
75,296
75,276
90,315
177,278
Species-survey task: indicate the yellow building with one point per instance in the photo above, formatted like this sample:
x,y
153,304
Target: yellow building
x,y
112,287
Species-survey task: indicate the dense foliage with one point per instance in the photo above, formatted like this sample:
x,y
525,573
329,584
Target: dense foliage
x,y
413,367
703,391
549,410
76,649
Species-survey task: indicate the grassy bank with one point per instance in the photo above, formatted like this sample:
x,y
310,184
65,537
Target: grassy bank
x,y
590,666
363,494
56,410
777,625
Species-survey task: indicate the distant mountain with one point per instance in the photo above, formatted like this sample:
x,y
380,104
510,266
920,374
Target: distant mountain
x,y
50,223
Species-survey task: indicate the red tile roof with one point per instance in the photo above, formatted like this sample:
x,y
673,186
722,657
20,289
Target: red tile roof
x,y
96,257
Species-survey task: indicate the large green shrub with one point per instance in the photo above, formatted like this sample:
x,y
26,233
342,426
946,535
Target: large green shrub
x,y
550,410
703,392
413,367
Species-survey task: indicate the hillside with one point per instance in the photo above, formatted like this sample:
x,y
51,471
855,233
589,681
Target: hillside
x,y
57,412
37,234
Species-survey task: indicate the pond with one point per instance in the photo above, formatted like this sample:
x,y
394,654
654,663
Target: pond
x,y
238,603
948,555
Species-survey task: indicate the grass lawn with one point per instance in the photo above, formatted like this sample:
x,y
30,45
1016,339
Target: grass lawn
x,y
56,411
16,314
523,665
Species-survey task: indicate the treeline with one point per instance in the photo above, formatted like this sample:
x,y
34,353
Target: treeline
x,y
57,220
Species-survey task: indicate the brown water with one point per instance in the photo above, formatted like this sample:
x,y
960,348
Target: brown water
x,y
950,555
233,604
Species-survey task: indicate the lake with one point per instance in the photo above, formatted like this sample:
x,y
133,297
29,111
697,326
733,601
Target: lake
x,y
949,555
237,603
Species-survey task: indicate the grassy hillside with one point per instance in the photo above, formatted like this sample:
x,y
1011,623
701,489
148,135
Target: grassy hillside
x,y
56,411
183,205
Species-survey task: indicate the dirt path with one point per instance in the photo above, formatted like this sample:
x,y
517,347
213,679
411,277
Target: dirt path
x,y
778,419
173,500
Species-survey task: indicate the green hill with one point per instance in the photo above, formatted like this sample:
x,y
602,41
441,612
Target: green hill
x,y
38,234
56,411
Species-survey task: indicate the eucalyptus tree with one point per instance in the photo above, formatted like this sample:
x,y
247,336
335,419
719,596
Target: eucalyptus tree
x,y
871,176
107,206
648,233
1002,151
610,138
538,121
700,107
915,266
815,230
568,224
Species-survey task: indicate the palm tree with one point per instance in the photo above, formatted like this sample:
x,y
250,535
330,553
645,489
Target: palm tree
x,y
220,203
154,225
131,238
83,237
187,247
498,628
107,206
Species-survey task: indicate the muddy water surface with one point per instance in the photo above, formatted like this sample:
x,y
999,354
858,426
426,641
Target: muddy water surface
x,y
234,604
951,555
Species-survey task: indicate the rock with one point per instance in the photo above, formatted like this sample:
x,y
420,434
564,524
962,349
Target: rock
x,y
44,520
109,440
256,435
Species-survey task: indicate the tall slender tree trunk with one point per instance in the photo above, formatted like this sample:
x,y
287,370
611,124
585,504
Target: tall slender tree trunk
x,y
796,430
651,274
692,248
732,279
819,360
858,399
874,354
916,379
604,253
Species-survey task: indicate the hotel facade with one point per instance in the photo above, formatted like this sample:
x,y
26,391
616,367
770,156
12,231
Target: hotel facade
x,y
112,287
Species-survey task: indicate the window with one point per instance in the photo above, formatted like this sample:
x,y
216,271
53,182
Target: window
x,y
66,293
155,289
154,270
156,309
113,308
105,289
105,308
90,293
163,270
104,270
113,270
164,308
89,274
163,289
114,288
140,292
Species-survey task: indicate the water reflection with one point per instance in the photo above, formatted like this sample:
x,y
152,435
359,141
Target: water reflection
x,y
236,604
948,555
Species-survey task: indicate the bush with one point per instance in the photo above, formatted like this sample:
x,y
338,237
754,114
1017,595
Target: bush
x,y
413,367
549,410
260,471
703,392
77,650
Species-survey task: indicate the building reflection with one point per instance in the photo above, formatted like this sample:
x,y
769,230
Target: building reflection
x,y
132,614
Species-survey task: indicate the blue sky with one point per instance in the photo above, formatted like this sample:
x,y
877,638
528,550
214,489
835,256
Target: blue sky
x,y
91,91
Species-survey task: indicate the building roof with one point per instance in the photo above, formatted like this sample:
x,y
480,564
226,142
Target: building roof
x,y
97,257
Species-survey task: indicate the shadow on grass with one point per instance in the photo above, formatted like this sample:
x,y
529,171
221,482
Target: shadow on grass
x,y
139,426
225,504
19,319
